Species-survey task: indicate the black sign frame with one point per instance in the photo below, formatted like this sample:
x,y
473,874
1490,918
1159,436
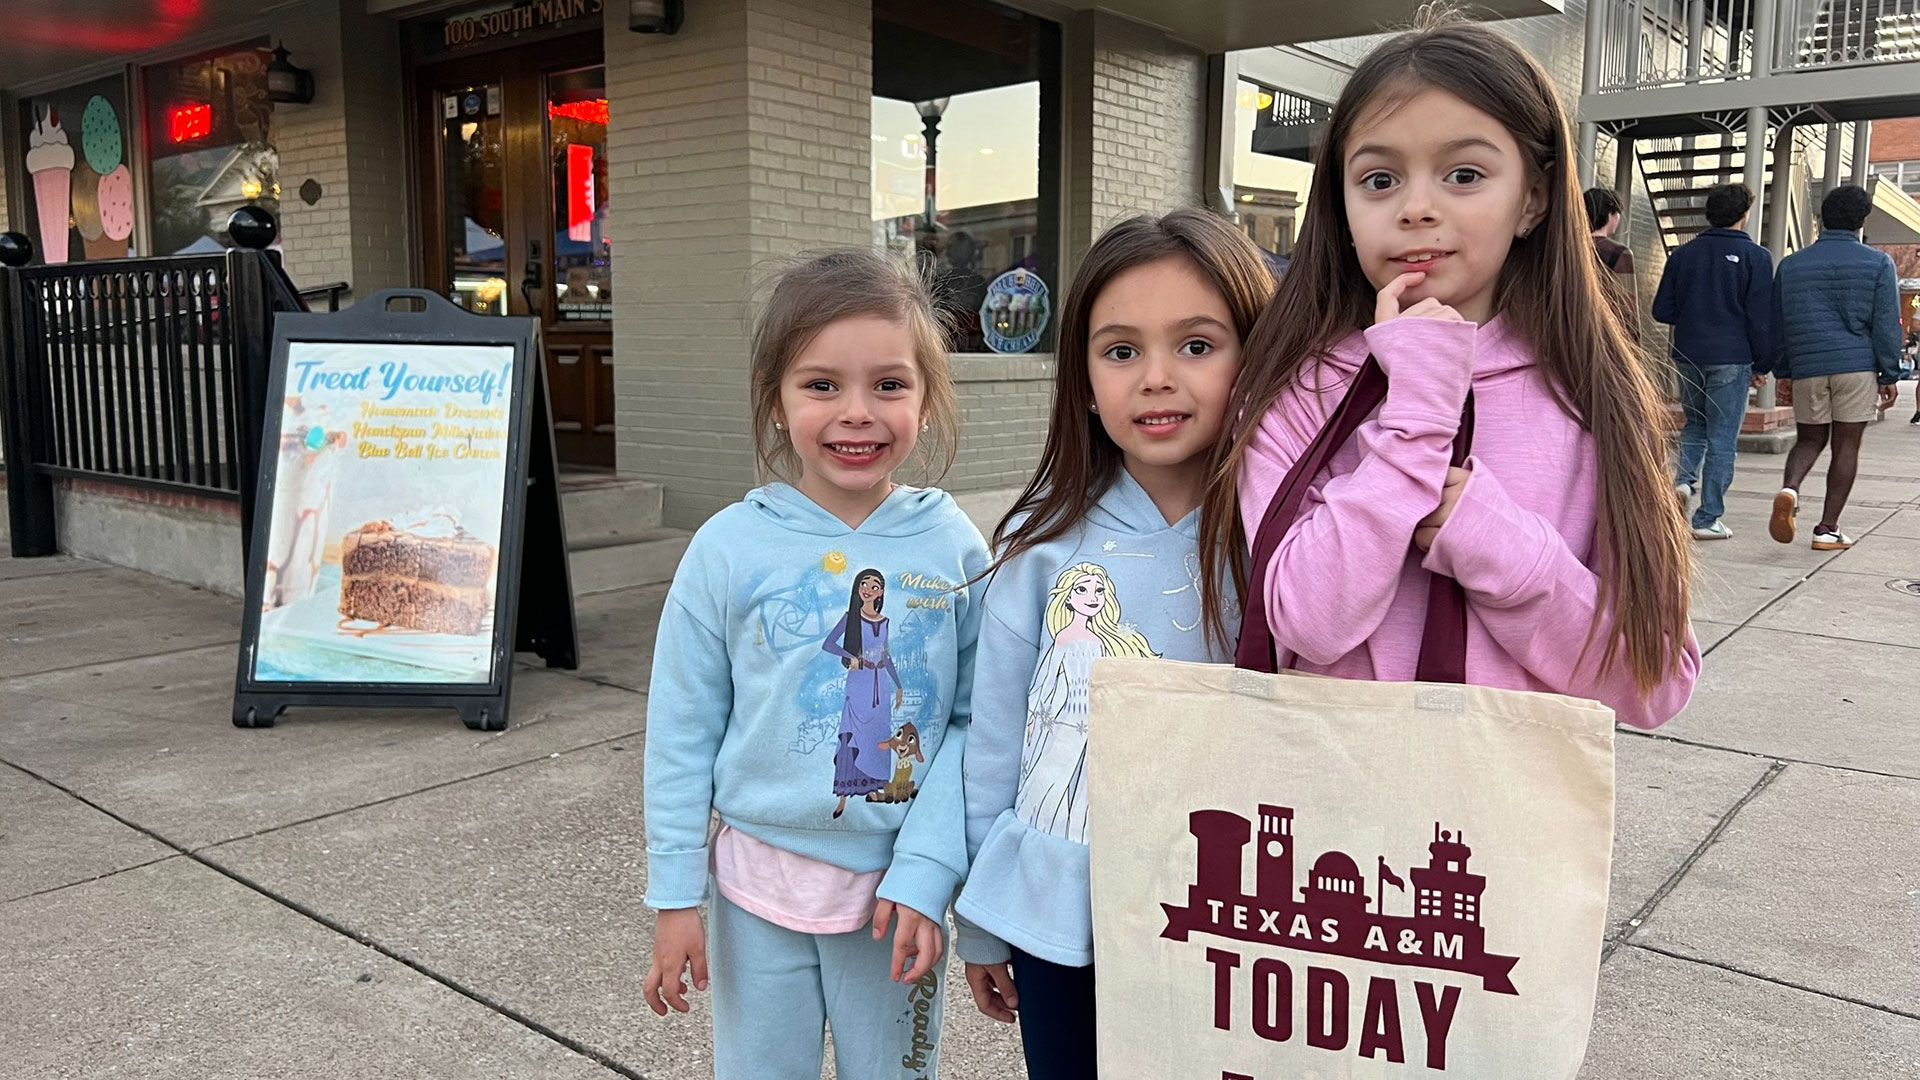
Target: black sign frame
x,y
533,595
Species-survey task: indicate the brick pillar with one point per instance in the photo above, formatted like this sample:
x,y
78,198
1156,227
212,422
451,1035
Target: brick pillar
x,y
740,139
1136,114
349,140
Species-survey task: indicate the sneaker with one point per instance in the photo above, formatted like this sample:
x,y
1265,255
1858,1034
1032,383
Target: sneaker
x,y
1916,418
1835,540
1785,506
1683,492
1716,531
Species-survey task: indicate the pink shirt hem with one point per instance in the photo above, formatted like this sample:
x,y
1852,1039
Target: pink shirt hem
x,y
792,891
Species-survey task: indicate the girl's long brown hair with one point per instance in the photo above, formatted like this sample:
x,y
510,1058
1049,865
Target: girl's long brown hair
x,y
1080,460
1550,296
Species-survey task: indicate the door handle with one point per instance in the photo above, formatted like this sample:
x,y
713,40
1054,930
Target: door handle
x,y
534,279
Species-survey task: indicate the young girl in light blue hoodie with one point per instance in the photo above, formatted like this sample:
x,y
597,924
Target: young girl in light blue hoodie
x,y
1098,558
811,685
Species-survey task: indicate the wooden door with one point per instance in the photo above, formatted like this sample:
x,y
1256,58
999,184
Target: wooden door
x,y
513,211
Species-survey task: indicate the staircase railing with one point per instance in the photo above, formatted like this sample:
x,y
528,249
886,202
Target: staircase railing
x,y
1675,42
147,373
1660,43
1818,34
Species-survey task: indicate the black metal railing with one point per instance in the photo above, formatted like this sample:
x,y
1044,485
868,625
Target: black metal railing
x,y
331,292
140,372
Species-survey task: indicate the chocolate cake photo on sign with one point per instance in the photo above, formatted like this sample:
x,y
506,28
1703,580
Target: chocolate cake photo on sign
x,y
383,546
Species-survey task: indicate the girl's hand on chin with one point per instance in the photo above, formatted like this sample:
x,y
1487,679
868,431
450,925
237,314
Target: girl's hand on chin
x,y
1387,306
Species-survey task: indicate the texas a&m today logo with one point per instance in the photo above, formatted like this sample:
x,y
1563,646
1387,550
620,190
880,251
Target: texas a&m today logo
x,y
1332,915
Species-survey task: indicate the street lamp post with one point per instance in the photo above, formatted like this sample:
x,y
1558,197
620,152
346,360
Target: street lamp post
x,y
930,112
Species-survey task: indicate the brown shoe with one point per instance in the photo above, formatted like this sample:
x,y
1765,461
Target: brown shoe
x,y
1785,506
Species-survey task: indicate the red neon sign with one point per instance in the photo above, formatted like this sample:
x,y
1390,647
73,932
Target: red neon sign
x,y
580,192
587,112
186,123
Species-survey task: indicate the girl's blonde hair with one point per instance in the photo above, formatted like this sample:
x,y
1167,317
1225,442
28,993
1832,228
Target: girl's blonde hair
x,y
1115,639
821,290
1549,294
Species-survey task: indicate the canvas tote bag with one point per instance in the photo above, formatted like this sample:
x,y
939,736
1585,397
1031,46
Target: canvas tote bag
x,y
1298,878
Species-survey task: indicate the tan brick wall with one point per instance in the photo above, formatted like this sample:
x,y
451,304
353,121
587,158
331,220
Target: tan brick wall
x,y
1004,405
349,141
1136,102
740,139
380,230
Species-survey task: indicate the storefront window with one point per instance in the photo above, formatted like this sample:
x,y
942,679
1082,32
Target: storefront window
x,y
577,141
472,134
1275,134
79,186
209,146
965,124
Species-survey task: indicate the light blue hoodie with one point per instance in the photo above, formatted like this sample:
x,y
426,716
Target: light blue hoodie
x,y
1123,583
757,711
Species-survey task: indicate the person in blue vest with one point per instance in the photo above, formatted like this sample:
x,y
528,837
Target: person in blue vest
x,y
1717,294
1838,302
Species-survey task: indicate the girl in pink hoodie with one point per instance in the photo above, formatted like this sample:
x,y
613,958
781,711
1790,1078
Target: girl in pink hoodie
x,y
1444,237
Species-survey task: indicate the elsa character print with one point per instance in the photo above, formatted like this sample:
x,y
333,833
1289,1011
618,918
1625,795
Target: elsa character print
x,y
861,766
1083,615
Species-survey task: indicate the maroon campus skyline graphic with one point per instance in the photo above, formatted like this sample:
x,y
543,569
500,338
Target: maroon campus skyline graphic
x,y
1332,913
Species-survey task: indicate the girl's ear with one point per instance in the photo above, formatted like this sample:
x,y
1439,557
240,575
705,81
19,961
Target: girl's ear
x,y
1534,210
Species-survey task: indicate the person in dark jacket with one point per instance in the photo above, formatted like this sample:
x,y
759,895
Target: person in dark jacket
x,y
1838,305
1717,294
1603,217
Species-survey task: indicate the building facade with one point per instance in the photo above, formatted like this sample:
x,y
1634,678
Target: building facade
x,y
636,191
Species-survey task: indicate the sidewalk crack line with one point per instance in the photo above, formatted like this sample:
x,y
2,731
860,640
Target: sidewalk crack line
x,y
1789,984
1640,917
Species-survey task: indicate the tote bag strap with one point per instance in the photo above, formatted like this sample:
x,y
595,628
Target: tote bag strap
x,y
1443,645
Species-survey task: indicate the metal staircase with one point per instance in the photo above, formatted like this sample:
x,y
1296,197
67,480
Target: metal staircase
x,y
1678,172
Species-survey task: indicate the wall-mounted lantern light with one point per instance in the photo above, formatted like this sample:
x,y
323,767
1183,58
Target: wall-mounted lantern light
x,y
655,16
288,84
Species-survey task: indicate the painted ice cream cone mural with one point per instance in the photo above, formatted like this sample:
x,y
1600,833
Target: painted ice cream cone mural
x,y
86,212
116,209
50,164
106,220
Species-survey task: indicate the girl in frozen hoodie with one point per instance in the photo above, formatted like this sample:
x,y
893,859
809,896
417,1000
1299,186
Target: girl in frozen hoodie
x,y
1444,242
1097,558
811,686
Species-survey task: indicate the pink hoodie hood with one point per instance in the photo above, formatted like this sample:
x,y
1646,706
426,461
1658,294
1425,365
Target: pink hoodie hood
x,y
1346,591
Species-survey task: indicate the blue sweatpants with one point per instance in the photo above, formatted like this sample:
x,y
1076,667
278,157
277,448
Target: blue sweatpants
x,y
774,990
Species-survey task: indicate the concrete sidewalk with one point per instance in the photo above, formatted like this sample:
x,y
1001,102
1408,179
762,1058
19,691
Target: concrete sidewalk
x,y
390,895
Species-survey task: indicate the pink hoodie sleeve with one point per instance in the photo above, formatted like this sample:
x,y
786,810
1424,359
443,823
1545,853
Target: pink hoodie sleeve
x,y
1335,574
1537,599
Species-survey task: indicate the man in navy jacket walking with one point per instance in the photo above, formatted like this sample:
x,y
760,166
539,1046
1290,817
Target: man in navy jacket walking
x,y
1839,356
1717,294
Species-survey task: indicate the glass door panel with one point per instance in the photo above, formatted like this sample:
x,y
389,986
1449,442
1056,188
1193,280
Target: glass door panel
x,y
473,165
577,164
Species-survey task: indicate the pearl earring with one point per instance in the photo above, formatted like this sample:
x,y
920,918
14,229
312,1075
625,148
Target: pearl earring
x,y
1094,407
777,426
926,425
